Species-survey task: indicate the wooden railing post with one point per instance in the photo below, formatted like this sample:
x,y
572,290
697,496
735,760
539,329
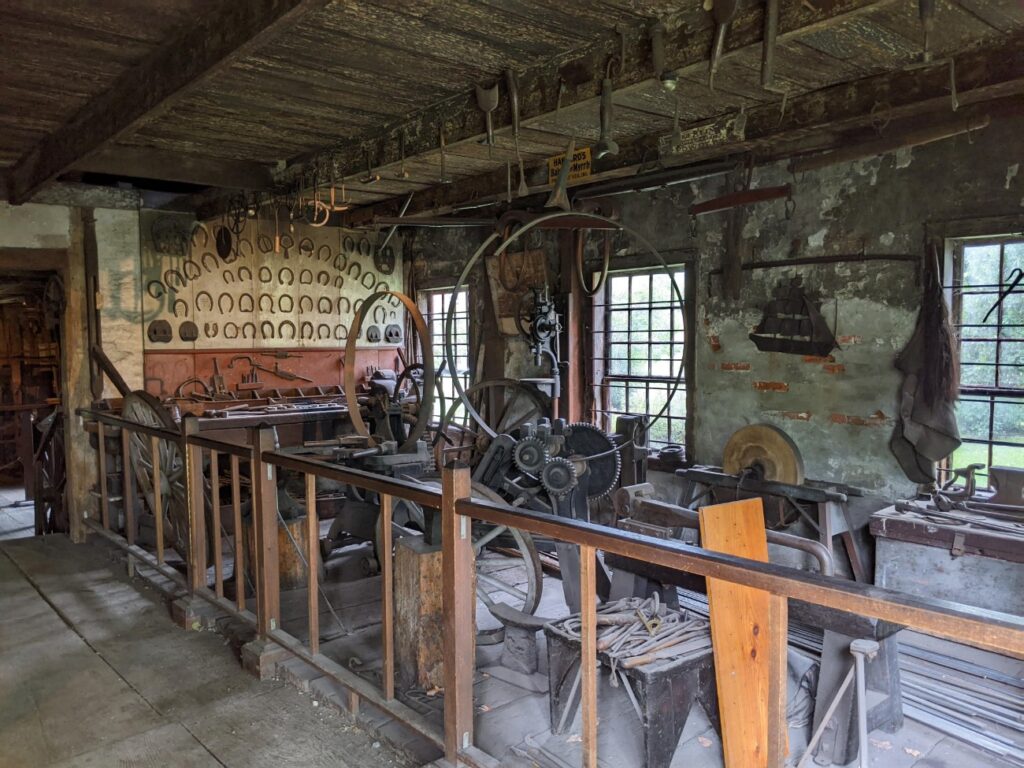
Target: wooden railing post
x,y
387,596
197,564
236,516
128,486
778,674
264,532
459,612
312,558
101,433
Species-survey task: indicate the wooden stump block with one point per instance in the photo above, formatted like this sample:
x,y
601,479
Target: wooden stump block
x,y
419,615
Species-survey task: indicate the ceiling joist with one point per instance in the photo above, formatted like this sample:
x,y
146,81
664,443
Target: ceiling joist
x,y
209,45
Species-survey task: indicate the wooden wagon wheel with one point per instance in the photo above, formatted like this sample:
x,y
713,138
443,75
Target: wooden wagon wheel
x,y
142,408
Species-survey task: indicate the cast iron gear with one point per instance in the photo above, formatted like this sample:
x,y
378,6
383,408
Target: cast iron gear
x,y
559,477
530,455
599,474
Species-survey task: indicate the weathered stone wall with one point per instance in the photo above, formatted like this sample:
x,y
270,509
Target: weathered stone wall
x,y
840,409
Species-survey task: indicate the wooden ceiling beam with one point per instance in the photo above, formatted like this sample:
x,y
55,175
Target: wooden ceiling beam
x,y
152,88
809,123
580,76
146,163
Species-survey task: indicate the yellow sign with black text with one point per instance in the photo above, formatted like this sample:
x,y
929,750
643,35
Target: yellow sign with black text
x,y
579,169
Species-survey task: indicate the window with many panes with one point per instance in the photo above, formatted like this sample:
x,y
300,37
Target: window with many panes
x,y
434,306
987,290
640,346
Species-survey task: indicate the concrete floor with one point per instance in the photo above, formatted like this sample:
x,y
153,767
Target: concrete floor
x,y
93,673
17,519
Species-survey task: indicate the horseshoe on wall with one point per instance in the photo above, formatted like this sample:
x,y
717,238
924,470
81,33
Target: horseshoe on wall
x,y
229,276
349,244
196,229
245,248
220,303
210,329
184,304
251,302
358,268
270,302
381,316
157,284
323,253
302,330
249,325
305,303
339,282
323,301
206,264
234,330
281,276
280,329
209,298
264,243
291,304
340,261
365,249
191,269
266,274
323,331
305,277
373,279
340,332
356,305
182,282
323,279
348,305
248,273
306,246
267,329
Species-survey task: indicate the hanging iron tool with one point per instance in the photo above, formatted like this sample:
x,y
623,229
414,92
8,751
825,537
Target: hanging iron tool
x,y
606,145
444,170
487,102
771,33
666,77
513,95
558,197
723,11
371,177
926,12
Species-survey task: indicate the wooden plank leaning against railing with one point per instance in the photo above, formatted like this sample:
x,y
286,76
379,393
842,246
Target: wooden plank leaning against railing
x,y
985,629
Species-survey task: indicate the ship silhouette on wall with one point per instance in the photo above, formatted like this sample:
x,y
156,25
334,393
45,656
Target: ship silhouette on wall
x,y
792,323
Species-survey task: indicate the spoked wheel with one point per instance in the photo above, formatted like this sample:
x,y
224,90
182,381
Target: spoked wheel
x,y
142,408
514,404
503,580
51,475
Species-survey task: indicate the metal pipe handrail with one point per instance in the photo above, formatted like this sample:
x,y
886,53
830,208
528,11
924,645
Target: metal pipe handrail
x,y
992,630
370,481
132,426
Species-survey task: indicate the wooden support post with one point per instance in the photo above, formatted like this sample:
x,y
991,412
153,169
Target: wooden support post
x,y
459,613
588,653
388,597
197,564
236,509
218,545
158,503
128,486
778,674
264,527
104,497
312,553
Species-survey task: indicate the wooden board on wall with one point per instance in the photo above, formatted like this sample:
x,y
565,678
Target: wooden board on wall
x,y
740,633
297,296
521,270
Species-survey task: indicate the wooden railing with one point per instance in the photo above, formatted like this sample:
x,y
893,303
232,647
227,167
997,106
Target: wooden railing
x,y
999,632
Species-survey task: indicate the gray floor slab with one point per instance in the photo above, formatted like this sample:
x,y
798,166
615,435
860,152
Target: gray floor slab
x,y
94,673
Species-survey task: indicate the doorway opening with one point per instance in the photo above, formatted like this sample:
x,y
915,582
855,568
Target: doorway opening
x,y
32,466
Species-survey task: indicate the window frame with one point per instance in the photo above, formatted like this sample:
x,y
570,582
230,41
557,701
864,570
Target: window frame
x,y
424,299
599,342
995,394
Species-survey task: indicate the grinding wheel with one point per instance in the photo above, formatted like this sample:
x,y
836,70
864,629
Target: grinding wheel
x,y
766,448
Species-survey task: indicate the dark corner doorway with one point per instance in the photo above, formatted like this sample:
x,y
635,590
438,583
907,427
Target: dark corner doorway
x,y
32,469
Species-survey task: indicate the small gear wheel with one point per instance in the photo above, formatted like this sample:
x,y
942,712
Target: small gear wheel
x,y
530,455
558,477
